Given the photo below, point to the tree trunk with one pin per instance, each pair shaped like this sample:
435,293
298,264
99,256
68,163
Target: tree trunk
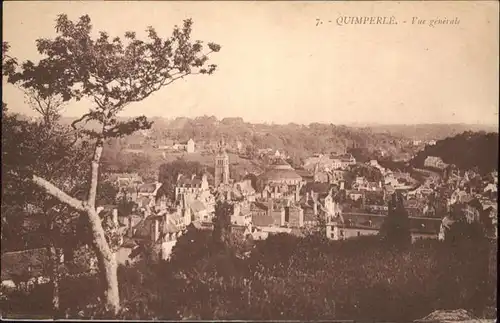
108,269
106,259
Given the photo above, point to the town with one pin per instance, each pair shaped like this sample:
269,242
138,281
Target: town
280,177
293,200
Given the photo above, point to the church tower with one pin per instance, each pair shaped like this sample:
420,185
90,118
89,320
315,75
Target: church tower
221,166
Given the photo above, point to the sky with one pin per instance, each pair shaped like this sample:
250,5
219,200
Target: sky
278,65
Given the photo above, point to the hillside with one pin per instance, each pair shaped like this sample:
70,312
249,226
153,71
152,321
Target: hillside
431,131
296,140
466,150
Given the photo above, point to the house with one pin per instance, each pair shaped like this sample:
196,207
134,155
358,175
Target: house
156,233
337,176
354,195
361,224
190,147
123,180
319,204
355,225
377,209
166,145
191,184
374,163
490,188
424,228
306,175
244,190
26,268
343,161
414,207
148,190
435,162
242,214
268,214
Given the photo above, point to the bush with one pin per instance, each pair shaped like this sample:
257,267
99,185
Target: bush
305,278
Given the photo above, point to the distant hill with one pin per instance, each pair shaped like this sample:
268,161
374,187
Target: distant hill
429,131
300,140
466,150
295,139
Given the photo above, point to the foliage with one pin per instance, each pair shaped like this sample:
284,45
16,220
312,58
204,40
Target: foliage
31,147
396,228
461,231
112,73
371,173
222,223
299,141
308,278
466,151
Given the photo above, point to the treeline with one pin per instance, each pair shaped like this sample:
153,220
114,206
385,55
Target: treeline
432,131
467,150
296,139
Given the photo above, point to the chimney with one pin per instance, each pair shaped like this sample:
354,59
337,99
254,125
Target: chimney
315,207
179,176
301,217
193,176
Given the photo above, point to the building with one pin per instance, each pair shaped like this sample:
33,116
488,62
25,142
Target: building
352,225
435,162
242,214
155,234
123,180
281,182
346,160
191,186
190,147
221,168
148,190
268,214
24,269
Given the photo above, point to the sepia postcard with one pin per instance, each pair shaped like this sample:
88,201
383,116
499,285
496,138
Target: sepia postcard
250,160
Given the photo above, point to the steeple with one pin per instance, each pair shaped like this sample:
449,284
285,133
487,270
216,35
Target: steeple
221,165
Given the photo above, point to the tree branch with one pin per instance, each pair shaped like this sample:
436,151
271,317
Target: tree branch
58,194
